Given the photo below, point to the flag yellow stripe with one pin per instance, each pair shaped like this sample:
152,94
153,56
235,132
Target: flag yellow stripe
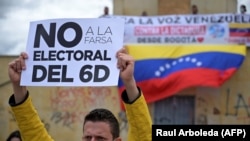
174,51
239,25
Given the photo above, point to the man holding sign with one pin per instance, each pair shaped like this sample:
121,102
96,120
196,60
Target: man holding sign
73,52
78,52
100,124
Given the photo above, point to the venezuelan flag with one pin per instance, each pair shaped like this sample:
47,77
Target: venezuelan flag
239,30
163,70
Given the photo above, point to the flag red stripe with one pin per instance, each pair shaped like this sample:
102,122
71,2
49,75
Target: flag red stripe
156,89
240,34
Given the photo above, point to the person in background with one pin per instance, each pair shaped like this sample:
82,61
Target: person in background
105,12
14,136
243,9
144,13
195,9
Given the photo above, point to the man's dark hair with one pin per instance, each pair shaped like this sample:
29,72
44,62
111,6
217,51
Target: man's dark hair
104,115
106,10
14,134
194,9
244,7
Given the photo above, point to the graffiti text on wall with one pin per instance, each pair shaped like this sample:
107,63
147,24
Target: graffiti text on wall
241,104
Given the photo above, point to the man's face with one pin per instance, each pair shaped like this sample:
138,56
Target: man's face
97,131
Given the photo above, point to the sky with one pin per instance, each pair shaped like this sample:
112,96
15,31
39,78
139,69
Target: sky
15,16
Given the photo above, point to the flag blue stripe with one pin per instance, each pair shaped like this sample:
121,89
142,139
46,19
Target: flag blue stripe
147,69
241,30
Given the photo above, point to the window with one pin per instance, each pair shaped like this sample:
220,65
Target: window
175,110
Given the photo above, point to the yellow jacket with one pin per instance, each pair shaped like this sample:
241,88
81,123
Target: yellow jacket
32,129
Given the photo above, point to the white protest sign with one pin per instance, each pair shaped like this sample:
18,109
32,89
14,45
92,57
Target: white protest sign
73,52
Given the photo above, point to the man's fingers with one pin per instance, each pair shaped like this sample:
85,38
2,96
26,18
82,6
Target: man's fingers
119,61
23,56
18,65
122,50
12,65
124,60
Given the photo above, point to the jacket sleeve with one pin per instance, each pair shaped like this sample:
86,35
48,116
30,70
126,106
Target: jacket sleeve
139,119
28,121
